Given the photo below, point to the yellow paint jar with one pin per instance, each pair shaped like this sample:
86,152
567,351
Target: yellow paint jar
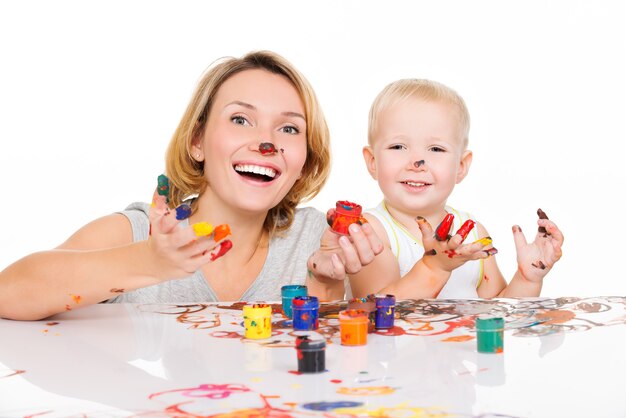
257,320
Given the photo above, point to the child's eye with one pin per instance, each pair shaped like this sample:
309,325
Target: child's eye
397,146
239,120
290,130
437,149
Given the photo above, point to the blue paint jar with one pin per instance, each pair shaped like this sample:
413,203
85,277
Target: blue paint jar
289,292
305,311
385,311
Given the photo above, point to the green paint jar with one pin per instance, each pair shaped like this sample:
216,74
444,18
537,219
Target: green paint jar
490,333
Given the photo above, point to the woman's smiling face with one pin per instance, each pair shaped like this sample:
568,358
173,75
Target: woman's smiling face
251,108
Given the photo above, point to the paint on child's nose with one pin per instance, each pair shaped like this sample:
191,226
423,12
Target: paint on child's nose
419,163
267,148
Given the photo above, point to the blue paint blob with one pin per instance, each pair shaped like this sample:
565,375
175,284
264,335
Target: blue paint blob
183,212
329,406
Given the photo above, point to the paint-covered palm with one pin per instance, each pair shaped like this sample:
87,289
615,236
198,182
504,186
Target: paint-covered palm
445,252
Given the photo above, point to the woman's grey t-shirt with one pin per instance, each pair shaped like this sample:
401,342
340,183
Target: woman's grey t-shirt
286,262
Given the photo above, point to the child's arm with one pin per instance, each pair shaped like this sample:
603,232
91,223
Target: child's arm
98,262
339,255
534,261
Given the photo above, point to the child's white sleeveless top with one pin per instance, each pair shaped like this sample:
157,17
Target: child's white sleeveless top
408,250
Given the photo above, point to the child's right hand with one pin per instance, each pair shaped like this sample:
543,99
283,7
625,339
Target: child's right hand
448,254
179,252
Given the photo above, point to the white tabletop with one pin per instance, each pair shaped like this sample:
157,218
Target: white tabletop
562,357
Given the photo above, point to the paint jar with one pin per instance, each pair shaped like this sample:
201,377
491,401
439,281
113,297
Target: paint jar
311,351
385,311
490,333
289,292
368,305
305,310
346,213
353,327
257,320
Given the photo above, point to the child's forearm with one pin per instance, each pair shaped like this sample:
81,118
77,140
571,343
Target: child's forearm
519,286
421,281
49,282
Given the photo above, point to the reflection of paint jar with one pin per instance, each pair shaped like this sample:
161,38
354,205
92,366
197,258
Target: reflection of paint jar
490,370
257,320
346,213
289,292
385,310
369,306
311,351
305,311
490,333
353,325
351,360
257,358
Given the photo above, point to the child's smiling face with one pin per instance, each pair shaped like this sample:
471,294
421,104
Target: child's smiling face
418,155
251,108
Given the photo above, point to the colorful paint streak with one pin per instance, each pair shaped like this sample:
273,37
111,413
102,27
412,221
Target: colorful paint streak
418,164
442,233
465,229
163,187
202,229
222,249
541,229
220,232
183,212
266,148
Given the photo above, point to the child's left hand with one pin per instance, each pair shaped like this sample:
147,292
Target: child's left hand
536,259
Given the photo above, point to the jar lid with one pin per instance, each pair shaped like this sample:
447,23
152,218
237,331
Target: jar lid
346,208
385,300
294,288
258,309
354,315
488,322
307,340
305,302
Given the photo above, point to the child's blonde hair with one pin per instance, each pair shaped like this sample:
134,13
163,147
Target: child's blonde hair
187,175
427,90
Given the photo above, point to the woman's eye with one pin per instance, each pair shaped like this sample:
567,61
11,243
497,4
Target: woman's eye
239,120
290,130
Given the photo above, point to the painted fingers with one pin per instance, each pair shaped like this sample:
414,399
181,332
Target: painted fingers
362,247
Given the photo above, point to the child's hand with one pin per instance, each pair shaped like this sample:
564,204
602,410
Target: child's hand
449,253
339,255
535,260
179,252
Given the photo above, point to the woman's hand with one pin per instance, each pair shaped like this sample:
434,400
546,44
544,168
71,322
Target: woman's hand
179,252
340,254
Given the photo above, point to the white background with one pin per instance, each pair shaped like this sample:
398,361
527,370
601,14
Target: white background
90,93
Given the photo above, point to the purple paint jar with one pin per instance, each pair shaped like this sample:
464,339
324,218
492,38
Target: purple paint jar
305,311
385,311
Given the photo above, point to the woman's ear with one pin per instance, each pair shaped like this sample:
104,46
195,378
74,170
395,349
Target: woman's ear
196,150
464,165
370,161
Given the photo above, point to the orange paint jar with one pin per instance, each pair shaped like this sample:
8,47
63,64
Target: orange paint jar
353,326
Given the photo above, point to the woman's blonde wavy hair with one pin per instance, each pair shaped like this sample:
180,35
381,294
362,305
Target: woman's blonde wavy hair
187,175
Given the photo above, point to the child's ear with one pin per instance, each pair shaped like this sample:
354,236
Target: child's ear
370,161
464,165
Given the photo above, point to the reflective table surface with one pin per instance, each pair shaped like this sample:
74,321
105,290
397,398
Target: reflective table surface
562,357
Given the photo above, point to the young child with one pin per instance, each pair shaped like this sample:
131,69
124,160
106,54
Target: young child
251,146
417,152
